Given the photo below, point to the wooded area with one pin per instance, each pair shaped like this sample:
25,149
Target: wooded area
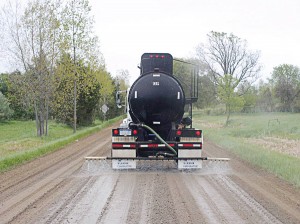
60,72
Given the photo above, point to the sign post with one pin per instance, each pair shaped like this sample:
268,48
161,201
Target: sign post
104,109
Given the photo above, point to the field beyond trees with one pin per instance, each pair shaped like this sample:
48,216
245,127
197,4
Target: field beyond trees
268,140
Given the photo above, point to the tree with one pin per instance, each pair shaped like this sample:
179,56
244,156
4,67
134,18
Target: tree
287,85
63,89
32,43
107,90
94,87
249,95
4,83
5,111
79,41
230,64
20,102
207,92
266,99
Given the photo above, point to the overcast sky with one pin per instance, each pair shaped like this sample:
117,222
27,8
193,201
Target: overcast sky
128,28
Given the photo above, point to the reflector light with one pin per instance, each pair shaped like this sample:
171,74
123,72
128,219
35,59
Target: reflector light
151,56
178,132
162,56
116,132
123,146
188,145
117,145
135,132
198,133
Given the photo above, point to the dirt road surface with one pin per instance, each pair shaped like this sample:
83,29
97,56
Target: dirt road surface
62,188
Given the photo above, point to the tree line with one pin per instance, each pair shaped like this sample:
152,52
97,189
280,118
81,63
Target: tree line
59,70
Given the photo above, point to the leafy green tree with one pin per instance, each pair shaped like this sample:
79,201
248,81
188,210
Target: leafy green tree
249,95
227,95
5,111
79,41
229,63
63,90
18,101
266,98
94,87
4,84
207,92
287,85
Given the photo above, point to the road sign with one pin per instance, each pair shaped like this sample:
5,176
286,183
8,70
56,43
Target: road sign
104,108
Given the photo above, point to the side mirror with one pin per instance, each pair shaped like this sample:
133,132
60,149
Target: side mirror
121,98
118,99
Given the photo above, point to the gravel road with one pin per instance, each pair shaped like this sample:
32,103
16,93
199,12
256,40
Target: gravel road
63,188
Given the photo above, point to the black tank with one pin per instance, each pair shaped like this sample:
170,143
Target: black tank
156,99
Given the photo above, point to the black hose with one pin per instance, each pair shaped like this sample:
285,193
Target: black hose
157,135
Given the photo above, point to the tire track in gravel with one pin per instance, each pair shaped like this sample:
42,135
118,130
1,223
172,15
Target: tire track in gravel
246,207
278,197
141,199
162,205
117,206
202,195
185,204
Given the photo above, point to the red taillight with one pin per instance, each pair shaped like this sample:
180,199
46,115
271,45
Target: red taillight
135,132
156,56
116,132
178,132
198,133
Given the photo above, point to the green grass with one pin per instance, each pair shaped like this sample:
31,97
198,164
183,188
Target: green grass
244,134
18,141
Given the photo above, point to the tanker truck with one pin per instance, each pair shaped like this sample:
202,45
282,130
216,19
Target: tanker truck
157,126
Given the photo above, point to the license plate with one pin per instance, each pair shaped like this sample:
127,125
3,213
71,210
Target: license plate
125,132
189,164
121,164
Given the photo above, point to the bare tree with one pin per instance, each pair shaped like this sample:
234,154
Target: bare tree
230,63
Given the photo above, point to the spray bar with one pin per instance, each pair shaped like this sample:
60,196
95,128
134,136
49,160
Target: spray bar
157,158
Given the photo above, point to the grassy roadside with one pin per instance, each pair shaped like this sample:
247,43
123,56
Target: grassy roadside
252,138
19,144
